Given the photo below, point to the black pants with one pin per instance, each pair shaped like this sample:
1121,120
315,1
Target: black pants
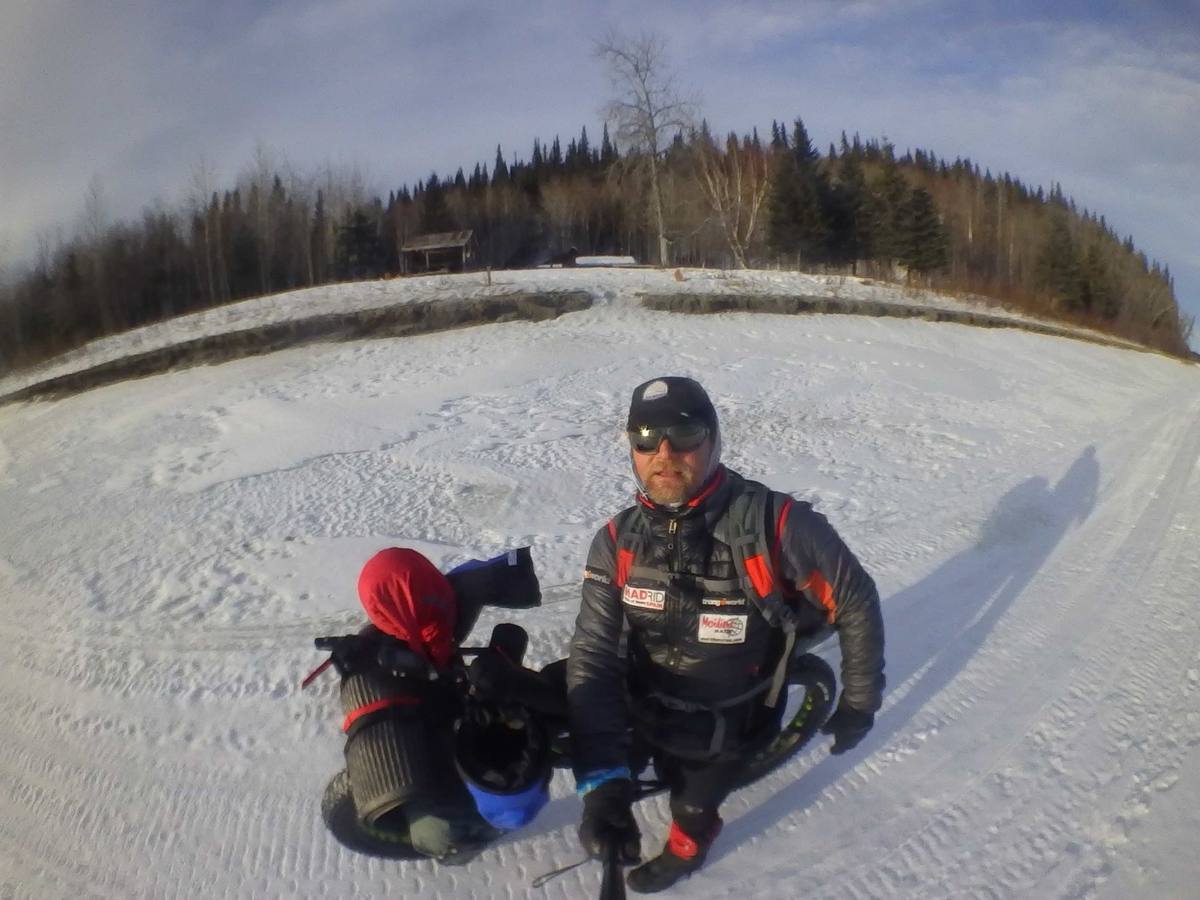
698,787
697,790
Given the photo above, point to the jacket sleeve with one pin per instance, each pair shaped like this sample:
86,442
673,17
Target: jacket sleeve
818,563
595,672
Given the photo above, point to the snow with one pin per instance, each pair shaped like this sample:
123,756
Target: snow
605,261
605,285
1028,506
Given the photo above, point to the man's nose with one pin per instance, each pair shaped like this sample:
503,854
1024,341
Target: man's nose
665,450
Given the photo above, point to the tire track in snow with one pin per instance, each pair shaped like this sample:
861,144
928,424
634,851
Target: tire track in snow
996,668
164,811
1062,796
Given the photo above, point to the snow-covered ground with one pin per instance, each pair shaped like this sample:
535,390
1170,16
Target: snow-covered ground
604,284
1029,506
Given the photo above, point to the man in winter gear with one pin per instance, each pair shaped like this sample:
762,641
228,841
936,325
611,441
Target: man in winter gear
710,577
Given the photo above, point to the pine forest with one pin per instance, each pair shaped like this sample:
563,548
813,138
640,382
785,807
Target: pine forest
730,202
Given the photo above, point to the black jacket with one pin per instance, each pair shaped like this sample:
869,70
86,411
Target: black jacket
676,644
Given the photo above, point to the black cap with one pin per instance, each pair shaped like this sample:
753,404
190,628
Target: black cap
670,400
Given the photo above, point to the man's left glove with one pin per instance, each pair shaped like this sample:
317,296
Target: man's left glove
848,726
608,821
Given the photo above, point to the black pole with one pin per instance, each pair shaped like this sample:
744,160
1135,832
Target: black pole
613,885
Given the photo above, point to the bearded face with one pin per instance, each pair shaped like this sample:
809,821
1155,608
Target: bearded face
671,477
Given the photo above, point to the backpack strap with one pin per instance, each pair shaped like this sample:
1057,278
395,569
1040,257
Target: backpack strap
753,531
626,529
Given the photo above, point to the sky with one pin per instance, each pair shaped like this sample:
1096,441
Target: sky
130,99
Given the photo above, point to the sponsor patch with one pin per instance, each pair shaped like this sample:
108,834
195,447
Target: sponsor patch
718,628
644,598
593,575
723,601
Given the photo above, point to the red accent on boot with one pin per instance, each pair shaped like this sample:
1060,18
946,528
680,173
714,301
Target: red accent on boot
686,847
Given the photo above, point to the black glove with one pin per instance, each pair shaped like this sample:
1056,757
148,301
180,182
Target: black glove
608,820
848,726
490,675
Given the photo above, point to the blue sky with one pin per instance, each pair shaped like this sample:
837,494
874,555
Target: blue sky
1103,97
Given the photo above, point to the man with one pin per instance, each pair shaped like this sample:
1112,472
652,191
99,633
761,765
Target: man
709,577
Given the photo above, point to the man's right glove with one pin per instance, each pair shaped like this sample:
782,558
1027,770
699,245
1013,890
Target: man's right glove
608,821
848,726
490,675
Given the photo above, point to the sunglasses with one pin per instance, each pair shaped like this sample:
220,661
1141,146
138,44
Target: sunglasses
682,438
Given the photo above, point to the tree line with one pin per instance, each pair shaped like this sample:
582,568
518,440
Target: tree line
736,201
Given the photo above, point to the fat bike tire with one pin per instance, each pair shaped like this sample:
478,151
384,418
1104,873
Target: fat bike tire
816,678
343,822
813,676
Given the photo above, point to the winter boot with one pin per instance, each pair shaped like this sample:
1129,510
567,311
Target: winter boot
681,857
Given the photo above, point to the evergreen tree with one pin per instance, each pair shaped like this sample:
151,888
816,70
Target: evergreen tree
500,169
435,215
1058,266
583,149
796,219
925,247
608,150
890,196
359,252
853,227
1097,293
779,139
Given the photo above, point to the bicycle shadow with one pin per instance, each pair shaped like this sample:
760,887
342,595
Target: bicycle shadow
935,627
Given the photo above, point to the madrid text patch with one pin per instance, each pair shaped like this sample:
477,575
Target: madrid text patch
645,598
718,628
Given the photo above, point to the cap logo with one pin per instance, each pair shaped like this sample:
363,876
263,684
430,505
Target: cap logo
655,390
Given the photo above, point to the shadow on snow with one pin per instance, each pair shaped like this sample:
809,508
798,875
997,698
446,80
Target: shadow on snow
935,627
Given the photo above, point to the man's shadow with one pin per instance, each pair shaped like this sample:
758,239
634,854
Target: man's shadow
934,628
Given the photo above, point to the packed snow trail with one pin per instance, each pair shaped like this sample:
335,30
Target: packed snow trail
1028,506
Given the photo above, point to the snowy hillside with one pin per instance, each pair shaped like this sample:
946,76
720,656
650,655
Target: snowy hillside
604,285
1027,505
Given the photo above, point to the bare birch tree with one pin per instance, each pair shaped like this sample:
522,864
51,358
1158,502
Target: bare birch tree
201,186
646,109
94,229
734,184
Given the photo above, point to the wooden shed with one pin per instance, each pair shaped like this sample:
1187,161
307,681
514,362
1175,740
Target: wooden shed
450,251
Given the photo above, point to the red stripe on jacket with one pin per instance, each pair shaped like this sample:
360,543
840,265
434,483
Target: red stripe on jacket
823,591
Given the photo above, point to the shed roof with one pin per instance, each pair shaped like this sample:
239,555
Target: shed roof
438,241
